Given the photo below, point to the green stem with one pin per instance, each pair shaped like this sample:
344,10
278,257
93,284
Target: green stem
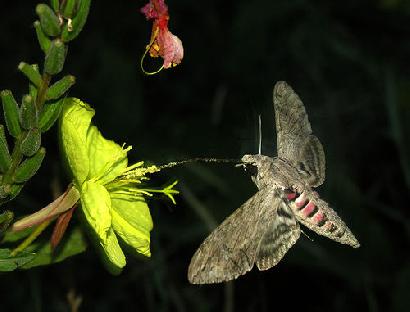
30,238
16,158
41,95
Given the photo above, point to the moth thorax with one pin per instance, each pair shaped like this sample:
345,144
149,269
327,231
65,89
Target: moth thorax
260,168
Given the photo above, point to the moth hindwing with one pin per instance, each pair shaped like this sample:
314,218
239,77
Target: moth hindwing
263,229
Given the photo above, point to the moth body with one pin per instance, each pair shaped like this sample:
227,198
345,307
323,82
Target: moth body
308,208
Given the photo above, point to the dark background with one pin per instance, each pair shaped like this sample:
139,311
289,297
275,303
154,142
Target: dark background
348,61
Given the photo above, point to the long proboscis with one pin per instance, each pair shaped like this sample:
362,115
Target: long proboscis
198,159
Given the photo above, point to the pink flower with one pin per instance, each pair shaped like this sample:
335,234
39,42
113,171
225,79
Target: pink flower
163,43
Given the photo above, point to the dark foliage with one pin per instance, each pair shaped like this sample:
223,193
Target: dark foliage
348,61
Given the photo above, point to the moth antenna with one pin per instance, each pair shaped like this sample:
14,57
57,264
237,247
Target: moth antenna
260,135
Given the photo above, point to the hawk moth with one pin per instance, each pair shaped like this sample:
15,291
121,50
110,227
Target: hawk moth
263,229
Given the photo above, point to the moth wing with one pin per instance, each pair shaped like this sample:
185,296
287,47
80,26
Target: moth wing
295,141
231,249
281,234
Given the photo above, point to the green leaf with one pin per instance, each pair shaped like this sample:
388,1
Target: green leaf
75,121
55,4
50,114
29,167
77,23
70,8
96,205
57,89
11,113
42,38
14,237
48,19
55,57
131,220
31,142
5,220
28,113
73,243
9,263
8,192
31,72
5,158
32,91
107,158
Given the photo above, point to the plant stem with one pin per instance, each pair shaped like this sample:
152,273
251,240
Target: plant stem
41,95
16,158
23,245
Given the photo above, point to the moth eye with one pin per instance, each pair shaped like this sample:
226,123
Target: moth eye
251,169
304,169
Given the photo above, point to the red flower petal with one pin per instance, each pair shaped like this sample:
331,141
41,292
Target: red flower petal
171,48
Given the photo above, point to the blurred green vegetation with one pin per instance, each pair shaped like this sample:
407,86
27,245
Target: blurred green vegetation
348,61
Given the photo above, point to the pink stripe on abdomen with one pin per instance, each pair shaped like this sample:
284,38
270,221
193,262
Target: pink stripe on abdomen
309,208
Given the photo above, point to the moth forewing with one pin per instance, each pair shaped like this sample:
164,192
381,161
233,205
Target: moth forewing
295,141
231,249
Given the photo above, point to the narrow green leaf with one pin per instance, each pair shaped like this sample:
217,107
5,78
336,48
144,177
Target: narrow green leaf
31,73
11,237
35,66
5,159
55,57
9,263
28,113
11,113
48,19
69,8
60,87
4,191
8,192
72,244
42,38
50,114
77,22
29,167
55,4
31,143
5,220
32,90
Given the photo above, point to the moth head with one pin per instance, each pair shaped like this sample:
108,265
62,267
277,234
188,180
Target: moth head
249,164
257,160
255,165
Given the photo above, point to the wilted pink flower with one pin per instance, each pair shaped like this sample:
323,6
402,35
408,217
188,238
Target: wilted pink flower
163,43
